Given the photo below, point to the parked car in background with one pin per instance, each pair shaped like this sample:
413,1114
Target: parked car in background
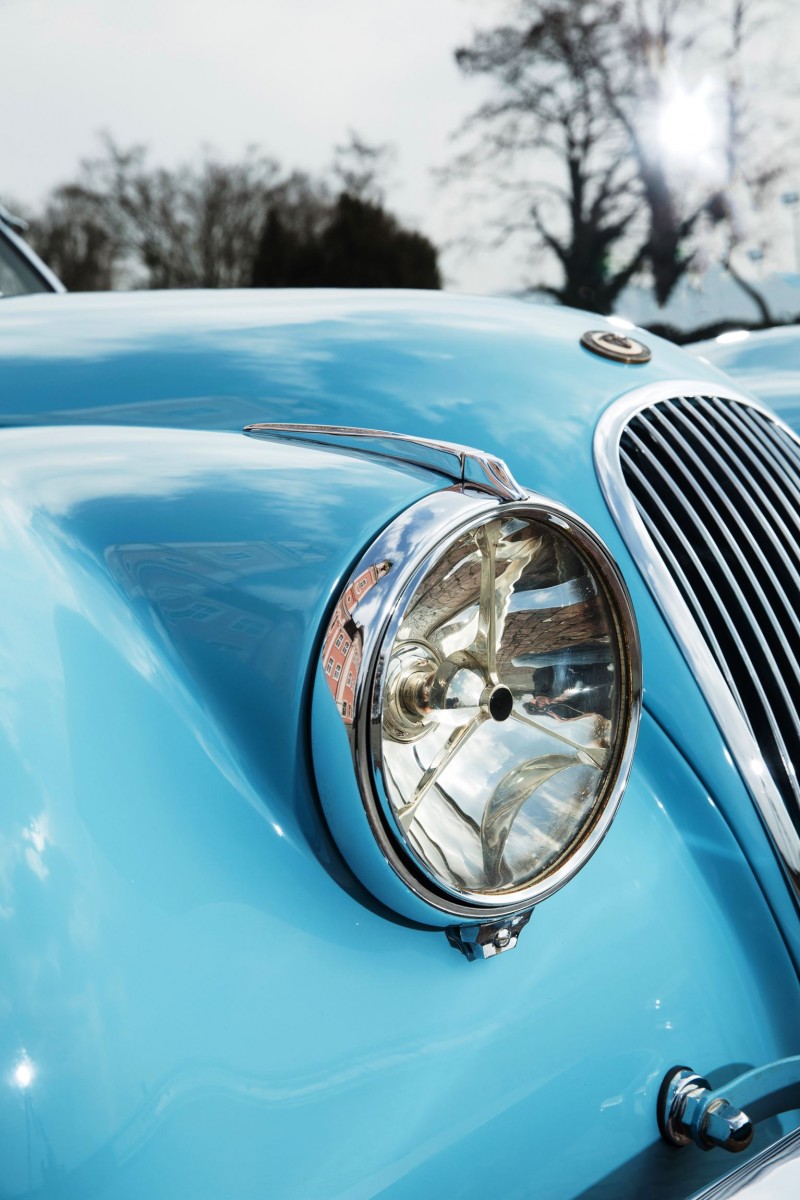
21,270
766,362
337,628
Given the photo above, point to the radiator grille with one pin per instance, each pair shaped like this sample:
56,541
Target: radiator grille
717,484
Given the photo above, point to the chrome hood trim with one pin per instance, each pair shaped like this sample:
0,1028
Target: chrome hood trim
462,464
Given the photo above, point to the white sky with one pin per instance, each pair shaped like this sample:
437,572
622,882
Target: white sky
289,75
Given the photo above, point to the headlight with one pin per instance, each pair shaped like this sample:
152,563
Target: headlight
484,665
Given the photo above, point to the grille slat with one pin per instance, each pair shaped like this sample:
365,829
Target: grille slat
745,565
717,484
787,463
768,467
676,568
739,499
744,471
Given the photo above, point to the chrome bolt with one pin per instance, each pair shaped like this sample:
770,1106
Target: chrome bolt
414,692
689,1111
727,1127
487,941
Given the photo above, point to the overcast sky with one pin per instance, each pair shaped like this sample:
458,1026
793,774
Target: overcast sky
291,76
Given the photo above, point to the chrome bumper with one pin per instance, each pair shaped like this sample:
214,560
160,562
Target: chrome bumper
774,1174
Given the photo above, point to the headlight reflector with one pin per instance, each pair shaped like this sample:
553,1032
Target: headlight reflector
494,706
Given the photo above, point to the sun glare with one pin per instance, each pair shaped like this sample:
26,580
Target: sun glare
24,1073
687,131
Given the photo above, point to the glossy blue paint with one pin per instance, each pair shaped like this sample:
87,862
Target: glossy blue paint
766,363
201,998
423,363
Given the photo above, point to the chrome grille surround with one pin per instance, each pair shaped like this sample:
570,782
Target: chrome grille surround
662,425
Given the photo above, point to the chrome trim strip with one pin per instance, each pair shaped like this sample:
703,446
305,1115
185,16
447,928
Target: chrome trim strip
732,723
471,468
772,1173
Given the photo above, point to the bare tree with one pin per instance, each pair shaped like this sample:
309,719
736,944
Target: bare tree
125,223
192,226
548,139
360,168
214,224
76,240
573,131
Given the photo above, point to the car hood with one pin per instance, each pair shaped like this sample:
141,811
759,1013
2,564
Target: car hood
166,595
420,362
507,377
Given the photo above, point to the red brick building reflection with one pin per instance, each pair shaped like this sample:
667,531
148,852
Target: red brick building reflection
341,653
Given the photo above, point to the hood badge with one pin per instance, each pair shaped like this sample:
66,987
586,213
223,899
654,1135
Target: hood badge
617,346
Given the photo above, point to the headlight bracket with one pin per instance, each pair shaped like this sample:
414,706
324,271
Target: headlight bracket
485,941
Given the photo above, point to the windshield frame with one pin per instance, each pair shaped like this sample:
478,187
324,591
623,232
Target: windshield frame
13,247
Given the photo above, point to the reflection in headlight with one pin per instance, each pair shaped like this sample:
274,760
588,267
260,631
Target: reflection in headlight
501,704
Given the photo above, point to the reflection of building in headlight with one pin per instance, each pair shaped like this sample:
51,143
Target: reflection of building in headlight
341,651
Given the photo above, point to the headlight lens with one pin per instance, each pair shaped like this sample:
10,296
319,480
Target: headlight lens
498,706
501,708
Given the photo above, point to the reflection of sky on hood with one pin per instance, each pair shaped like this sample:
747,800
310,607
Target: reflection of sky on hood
58,470
508,377
778,349
68,496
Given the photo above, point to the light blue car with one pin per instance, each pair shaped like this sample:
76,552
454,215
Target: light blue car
766,362
21,269
337,629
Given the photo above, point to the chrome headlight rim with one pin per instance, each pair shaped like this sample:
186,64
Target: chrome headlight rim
432,526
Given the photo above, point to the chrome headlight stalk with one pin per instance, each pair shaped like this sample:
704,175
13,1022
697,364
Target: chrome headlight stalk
475,711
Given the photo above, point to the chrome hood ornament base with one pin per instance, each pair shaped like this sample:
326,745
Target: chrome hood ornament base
471,468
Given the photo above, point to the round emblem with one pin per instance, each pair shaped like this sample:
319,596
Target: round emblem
618,346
